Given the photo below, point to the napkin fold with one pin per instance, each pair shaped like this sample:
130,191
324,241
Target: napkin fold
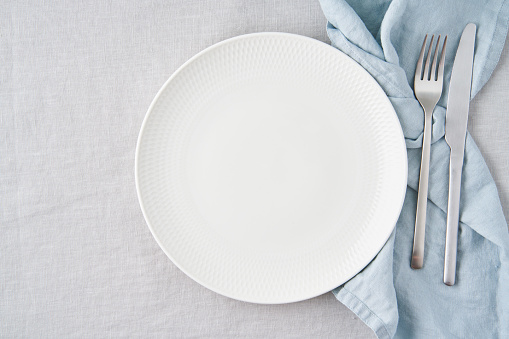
385,37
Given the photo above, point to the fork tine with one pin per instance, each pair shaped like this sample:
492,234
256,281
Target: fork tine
418,68
428,57
440,76
433,75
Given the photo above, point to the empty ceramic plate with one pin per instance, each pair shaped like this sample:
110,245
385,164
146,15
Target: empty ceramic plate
271,168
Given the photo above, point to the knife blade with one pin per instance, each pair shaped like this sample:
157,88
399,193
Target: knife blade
455,133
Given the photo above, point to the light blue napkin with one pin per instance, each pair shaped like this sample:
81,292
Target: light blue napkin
385,37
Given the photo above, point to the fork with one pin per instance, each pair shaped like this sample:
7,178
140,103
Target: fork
428,90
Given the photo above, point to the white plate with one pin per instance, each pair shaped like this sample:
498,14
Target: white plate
271,168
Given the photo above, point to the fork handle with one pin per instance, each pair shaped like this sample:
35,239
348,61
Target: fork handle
422,196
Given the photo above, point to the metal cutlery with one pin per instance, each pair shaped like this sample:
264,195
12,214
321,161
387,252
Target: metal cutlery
455,132
428,85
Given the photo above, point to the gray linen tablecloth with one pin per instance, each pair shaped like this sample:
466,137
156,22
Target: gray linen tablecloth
76,258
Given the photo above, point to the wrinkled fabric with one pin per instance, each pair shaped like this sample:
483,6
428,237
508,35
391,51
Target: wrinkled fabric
385,37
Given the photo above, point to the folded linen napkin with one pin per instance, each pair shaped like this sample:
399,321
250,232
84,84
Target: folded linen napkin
385,37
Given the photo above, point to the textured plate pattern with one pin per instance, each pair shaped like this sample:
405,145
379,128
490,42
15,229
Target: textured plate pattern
176,158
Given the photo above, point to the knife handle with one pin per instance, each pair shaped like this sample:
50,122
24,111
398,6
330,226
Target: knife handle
453,211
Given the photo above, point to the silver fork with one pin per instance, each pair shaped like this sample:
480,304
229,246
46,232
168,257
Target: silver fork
428,90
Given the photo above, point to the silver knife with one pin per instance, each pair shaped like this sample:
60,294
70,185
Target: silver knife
455,133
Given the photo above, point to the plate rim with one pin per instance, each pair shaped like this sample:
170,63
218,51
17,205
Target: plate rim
163,88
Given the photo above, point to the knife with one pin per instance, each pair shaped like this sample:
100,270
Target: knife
455,133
